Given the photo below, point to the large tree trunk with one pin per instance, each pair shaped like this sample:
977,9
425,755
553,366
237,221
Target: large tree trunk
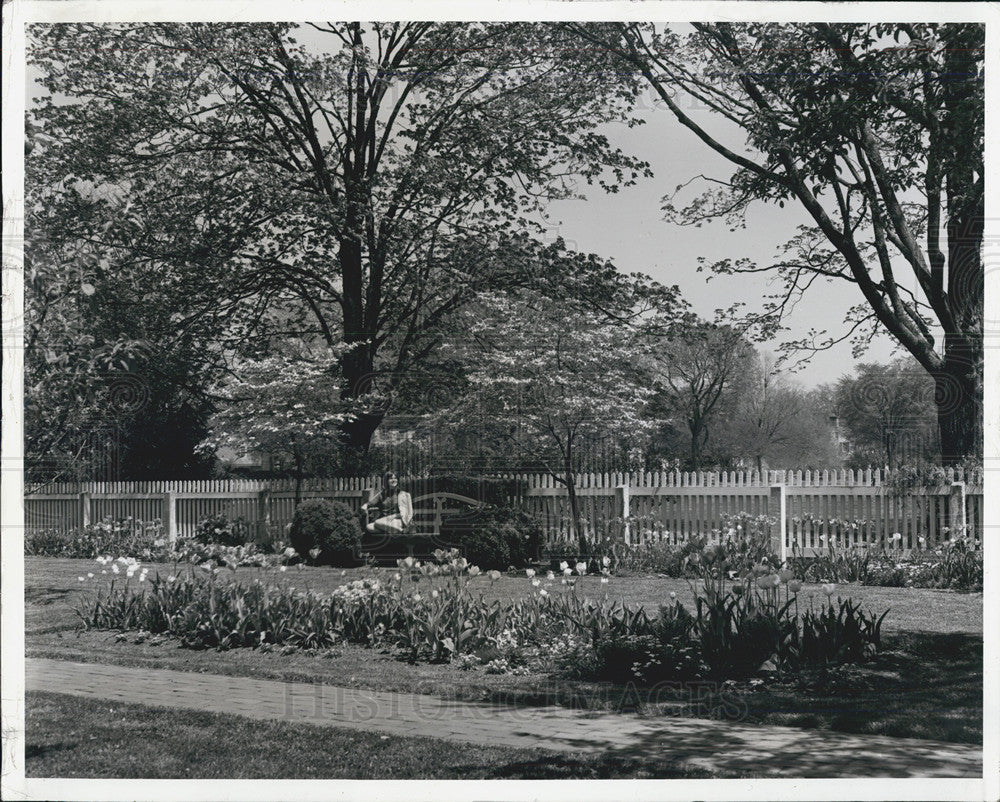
958,393
959,385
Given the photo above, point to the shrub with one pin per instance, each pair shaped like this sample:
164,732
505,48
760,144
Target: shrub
333,528
223,531
495,537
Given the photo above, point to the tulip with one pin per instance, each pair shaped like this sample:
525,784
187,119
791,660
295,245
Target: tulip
785,576
581,568
473,570
530,572
795,586
494,575
563,565
828,588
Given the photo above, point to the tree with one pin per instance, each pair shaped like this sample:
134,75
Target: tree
375,175
281,404
876,131
701,369
889,414
778,424
95,410
551,382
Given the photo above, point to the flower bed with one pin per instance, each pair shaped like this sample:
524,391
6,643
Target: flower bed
956,563
428,612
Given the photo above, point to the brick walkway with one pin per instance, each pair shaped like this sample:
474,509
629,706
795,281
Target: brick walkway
726,747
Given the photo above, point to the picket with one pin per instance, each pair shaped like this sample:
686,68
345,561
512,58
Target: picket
822,507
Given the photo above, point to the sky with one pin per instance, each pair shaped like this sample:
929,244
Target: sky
628,228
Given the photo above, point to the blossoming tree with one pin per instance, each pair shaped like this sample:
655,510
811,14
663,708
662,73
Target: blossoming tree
552,382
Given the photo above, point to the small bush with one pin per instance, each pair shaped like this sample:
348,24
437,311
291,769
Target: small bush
333,528
223,531
495,537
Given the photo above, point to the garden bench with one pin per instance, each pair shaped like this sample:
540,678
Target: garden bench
423,535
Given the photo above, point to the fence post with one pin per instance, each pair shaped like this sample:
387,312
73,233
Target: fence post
956,509
263,515
85,509
622,505
170,517
776,508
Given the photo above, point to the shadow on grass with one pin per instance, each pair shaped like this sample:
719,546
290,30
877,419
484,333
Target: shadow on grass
44,596
922,685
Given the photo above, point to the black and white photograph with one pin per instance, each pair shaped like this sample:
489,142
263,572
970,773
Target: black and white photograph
516,392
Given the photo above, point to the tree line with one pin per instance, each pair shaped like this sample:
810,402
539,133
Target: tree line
285,235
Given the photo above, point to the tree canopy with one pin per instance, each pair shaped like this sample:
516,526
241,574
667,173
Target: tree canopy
876,132
552,384
368,179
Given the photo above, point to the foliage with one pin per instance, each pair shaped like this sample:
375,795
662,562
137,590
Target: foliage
834,636
350,182
223,530
777,423
332,528
107,536
494,536
701,371
657,650
428,611
956,564
889,414
876,132
107,378
281,404
549,385
656,556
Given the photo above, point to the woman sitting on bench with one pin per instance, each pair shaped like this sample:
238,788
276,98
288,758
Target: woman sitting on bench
396,507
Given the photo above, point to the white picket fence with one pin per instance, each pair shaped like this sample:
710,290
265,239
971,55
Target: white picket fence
810,509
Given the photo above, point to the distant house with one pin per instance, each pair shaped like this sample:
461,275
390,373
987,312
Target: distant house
249,462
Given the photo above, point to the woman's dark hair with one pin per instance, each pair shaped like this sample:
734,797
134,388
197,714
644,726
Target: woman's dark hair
386,492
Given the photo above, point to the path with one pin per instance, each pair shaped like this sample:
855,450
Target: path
725,747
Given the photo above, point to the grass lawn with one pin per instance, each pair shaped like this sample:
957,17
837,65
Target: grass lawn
52,588
71,736
927,683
